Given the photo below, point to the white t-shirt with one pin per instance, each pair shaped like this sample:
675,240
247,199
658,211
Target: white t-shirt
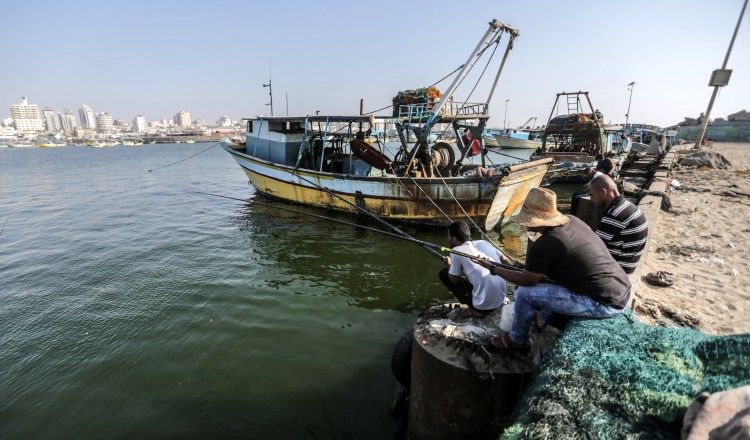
489,290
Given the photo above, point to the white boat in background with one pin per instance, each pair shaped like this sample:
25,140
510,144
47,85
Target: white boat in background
519,138
22,144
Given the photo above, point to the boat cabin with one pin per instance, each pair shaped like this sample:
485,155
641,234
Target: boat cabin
319,143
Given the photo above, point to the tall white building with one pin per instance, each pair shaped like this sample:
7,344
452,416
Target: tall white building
104,123
52,120
68,121
182,119
26,116
139,124
224,121
88,120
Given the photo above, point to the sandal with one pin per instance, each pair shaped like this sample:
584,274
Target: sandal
660,278
504,342
538,324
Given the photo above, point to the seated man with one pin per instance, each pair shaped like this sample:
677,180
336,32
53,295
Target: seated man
589,282
482,292
623,227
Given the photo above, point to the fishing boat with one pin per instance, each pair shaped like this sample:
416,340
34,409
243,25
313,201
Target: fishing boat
523,137
324,161
50,142
574,139
21,143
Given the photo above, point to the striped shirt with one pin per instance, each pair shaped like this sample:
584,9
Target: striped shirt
624,230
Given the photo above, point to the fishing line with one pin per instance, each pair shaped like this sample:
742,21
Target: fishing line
425,244
183,160
508,155
6,221
359,208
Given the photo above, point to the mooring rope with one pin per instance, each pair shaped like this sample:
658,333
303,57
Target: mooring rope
183,160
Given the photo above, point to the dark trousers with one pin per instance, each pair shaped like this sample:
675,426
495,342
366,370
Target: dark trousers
575,199
462,290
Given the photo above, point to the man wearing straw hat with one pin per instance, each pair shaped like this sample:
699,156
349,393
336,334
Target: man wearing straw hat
588,281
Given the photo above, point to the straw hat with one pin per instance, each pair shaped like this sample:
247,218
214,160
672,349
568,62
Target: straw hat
540,209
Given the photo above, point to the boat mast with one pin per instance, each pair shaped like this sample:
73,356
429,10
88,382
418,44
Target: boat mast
495,27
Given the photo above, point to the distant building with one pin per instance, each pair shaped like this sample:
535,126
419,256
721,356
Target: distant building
88,120
104,123
68,121
52,121
199,122
26,116
139,124
741,115
182,119
224,121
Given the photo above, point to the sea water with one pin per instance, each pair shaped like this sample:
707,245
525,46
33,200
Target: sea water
134,307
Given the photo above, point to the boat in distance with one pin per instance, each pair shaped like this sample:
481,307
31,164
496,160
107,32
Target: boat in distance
324,160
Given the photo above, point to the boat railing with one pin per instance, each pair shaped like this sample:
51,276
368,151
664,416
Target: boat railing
422,111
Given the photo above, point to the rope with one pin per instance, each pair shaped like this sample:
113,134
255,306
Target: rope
183,160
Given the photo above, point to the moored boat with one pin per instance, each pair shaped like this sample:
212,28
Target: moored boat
518,138
50,142
21,144
324,161
575,139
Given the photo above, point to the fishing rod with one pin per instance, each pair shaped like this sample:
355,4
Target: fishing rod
424,244
6,221
362,210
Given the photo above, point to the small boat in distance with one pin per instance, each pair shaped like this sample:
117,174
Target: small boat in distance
21,143
523,137
50,142
324,161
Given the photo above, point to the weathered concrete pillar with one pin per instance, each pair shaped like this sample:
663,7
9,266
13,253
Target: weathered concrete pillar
461,387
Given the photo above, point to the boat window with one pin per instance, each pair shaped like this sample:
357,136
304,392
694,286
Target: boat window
249,126
286,126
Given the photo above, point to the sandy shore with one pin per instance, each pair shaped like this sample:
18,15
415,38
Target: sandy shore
703,242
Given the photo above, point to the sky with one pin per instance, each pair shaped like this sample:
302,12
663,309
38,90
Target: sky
212,58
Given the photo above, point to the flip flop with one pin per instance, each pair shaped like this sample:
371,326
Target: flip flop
538,324
504,342
660,278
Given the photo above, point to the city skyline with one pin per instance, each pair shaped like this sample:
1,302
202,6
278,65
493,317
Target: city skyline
325,57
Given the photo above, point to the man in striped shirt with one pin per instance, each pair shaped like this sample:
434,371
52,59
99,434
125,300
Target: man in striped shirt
623,227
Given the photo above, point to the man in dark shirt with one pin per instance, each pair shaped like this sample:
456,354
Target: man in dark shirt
623,227
588,281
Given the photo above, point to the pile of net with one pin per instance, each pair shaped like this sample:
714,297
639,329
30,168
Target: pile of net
418,96
619,378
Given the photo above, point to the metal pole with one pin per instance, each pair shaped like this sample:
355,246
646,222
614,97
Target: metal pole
270,93
627,115
716,88
506,113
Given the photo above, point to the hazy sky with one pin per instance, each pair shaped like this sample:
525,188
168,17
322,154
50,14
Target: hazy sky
211,58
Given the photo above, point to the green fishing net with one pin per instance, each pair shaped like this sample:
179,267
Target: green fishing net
618,378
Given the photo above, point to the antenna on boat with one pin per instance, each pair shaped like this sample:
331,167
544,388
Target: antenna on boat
270,89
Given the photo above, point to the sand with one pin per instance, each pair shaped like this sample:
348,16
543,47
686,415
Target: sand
703,242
